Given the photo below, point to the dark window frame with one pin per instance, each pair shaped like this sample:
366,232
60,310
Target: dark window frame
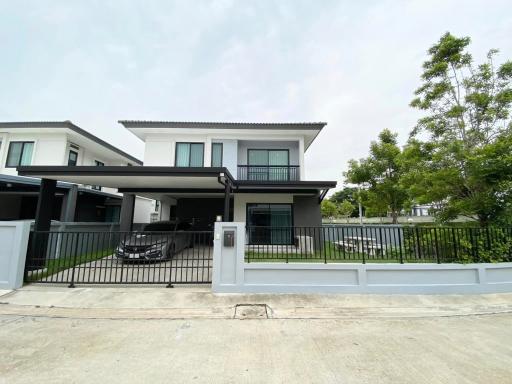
21,153
69,155
221,154
189,153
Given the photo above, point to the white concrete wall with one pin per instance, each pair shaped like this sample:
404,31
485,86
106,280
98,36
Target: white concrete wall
229,155
142,210
49,149
242,199
232,274
160,148
13,250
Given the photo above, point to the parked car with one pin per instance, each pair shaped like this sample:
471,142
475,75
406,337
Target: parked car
160,240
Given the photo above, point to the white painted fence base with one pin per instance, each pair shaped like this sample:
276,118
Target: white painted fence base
13,250
232,274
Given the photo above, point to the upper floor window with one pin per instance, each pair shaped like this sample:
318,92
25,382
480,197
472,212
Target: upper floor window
216,154
72,158
20,153
189,155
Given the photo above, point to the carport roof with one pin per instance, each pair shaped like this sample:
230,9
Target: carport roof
14,184
167,179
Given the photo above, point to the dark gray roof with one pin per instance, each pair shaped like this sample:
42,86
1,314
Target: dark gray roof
68,124
220,125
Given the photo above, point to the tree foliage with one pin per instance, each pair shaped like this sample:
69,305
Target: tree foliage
329,209
349,194
380,175
457,155
332,209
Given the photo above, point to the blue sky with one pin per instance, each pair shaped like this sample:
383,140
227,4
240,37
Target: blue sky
353,64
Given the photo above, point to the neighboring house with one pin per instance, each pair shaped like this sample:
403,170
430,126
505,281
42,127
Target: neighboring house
200,172
65,144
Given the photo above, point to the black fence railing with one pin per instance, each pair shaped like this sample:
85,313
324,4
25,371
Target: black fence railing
378,244
269,172
179,257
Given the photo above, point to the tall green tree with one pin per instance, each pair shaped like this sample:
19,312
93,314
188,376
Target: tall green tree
467,110
380,175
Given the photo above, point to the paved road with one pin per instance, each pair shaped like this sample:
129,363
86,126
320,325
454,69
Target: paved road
52,335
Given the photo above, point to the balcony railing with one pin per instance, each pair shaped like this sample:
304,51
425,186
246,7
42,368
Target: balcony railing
269,172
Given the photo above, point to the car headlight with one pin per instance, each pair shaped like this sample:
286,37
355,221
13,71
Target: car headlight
156,247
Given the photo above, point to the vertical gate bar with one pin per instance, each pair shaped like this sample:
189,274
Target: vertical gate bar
398,230
171,258
72,284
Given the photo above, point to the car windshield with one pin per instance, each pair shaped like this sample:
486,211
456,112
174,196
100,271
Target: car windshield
160,227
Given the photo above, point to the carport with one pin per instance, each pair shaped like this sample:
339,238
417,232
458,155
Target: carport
93,258
153,182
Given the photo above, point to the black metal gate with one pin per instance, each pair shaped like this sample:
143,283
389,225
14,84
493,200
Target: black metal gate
70,257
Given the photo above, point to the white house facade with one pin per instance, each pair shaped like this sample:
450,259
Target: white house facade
203,171
59,143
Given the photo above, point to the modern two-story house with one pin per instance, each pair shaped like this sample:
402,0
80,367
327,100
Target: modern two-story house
60,143
201,172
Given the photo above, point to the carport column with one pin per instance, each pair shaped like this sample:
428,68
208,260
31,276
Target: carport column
69,204
45,205
126,216
42,223
227,191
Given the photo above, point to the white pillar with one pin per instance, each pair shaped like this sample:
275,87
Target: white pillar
13,252
208,152
228,261
301,159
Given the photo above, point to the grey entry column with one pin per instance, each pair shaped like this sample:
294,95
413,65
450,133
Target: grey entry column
69,205
126,216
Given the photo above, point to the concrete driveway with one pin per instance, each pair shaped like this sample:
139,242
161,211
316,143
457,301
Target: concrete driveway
191,265
188,335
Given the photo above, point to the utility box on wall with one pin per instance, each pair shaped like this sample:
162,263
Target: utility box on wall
229,239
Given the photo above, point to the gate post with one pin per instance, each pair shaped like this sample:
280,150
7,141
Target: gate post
14,240
228,257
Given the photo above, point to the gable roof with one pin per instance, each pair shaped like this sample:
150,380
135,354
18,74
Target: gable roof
69,125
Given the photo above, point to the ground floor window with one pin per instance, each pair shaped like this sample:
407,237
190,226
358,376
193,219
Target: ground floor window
270,223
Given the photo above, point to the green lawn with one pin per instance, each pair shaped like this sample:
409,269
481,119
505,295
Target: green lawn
329,254
53,266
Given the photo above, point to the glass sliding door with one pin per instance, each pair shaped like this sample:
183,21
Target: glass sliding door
270,224
268,164
257,159
275,159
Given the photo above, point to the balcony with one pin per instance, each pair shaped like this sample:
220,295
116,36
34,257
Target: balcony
269,172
